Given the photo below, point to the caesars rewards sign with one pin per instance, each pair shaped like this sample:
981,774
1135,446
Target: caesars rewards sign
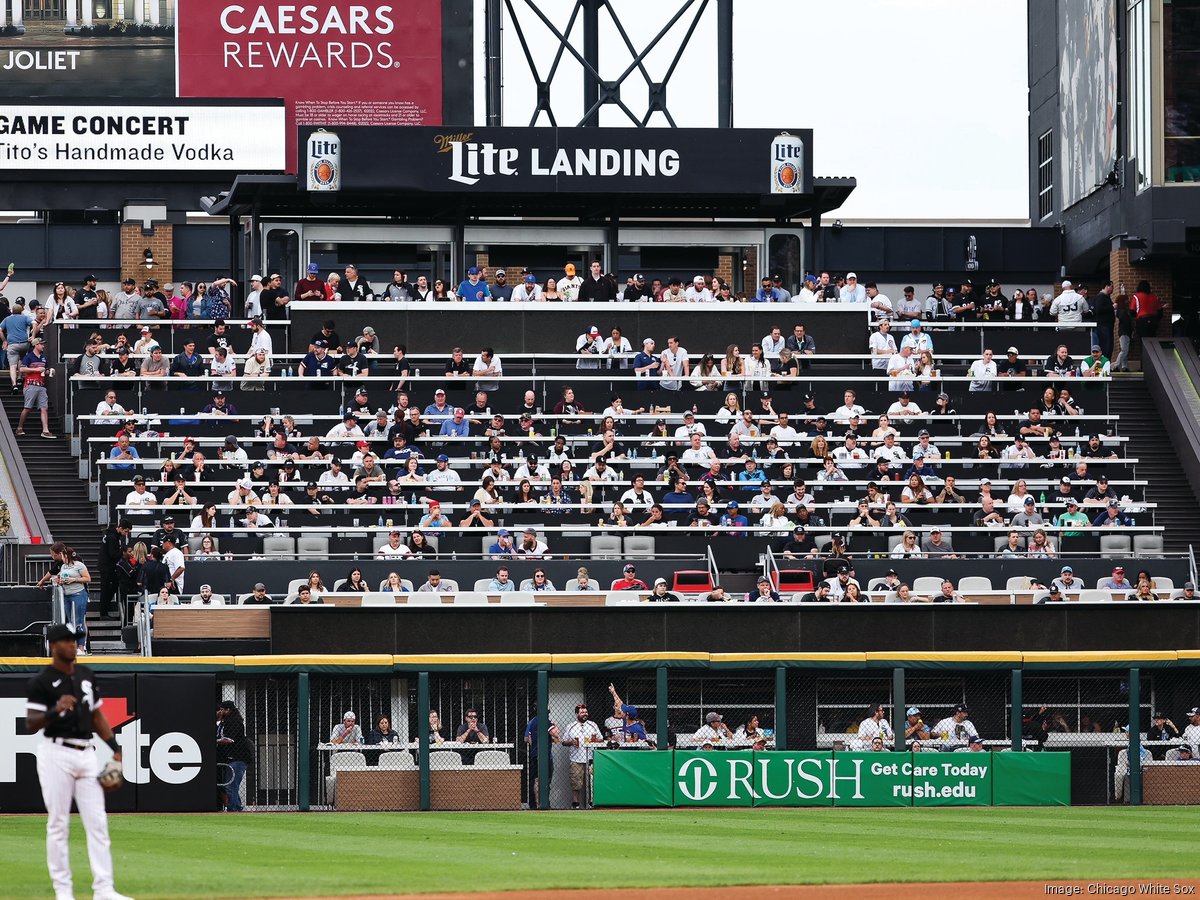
743,161
333,63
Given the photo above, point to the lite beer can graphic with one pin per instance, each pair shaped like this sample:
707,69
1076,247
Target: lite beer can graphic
324,161
787,164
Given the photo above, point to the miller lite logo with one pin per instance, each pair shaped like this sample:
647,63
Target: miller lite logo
324,161
787,164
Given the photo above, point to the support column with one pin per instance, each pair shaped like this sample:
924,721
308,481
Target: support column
155,15
1135,737
423,737
493,84
139,12
724,63
661,725
899,719
1018,720
591,54
303,747
543,739
780,708
18,15
72,18
87,13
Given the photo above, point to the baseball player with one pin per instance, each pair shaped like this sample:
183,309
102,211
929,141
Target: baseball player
63,700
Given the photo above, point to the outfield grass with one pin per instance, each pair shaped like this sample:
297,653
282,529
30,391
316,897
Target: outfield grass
280,855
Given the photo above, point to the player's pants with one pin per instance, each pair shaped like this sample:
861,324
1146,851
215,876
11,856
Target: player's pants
66,773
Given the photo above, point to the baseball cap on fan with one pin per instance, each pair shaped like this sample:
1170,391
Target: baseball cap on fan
313,268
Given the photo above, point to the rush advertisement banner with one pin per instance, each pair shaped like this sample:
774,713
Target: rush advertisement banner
164,725
563,160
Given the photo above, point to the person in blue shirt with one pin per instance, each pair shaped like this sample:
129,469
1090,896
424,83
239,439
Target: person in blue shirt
752,475
678,504
766,293
734,519
458,426
16,329
646,366
123,451
501,583
1111,516
318,363
531,741
474,289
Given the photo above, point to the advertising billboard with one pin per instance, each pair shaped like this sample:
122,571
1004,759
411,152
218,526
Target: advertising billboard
561,160
334,63
181,137
1087,73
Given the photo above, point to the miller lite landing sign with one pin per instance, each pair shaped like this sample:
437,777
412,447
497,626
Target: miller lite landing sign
324,161
575,160
787,164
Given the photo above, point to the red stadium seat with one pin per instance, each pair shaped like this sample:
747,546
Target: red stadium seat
693,581
792,581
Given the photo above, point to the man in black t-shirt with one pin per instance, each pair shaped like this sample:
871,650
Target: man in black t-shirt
64,701
1012,366
274,299
329,335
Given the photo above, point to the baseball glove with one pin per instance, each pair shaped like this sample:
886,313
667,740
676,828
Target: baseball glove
110,777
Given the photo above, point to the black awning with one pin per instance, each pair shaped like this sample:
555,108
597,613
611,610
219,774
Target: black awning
280,195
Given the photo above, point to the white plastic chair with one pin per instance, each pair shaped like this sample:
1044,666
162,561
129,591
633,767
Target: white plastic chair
1092,595
492,759
342,761
1017,584
440,760
969,584
927,584
397,760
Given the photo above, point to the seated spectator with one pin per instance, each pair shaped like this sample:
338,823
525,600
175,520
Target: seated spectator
660,594
1112,517
863,517
503,547
1142,591
764,592
394,548
382,733
501,583
948,594
531,547
629,580
304,597
733,520
472,731
259,596
713,729
800,545
937,544
393,585
347,731
583,581
541,581
435,519
355,584
434,584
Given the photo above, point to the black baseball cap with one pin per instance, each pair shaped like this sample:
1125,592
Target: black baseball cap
61,632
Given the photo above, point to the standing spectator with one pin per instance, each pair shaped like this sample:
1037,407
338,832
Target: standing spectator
597,287
273,299
577,736
73,577
531,742
233,749
1191,734
352,287
473,289
1147,310
1104,315
112,551
570,284
1125,329
17,329
310,288
589,346
34,368
675,366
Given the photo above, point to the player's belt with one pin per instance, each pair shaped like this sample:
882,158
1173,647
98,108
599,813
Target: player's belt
72,743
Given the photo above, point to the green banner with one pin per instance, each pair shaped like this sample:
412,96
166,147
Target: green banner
791,778
871,779
1032,779
632,778
713,778
951,779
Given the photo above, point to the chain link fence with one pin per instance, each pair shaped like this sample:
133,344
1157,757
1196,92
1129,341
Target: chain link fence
362,733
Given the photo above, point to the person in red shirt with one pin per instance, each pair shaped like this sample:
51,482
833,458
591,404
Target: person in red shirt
629,581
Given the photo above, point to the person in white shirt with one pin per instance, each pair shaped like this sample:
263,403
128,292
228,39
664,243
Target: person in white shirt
698,453
261,339
589,346
849,408
891,451
175,561
578,737
257,521
253,306
882,345
1068,307
850,455
112,411
346,430
698,292
852,291
774,342
956,728
637,497
689,427
713,729
616,344
334,475
900,369
442,474
982,372
487,364
395,548
806,294
570,284
784,434
1191,734
881,304
875,725
527,291
904,406
600,471
532,469
675,366
140,496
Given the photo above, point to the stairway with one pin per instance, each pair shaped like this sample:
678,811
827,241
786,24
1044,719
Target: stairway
1129,398
63,496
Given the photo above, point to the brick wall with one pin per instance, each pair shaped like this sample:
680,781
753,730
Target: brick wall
1158,273
134,245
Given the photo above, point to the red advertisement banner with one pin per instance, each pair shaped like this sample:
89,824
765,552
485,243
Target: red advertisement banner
334,62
